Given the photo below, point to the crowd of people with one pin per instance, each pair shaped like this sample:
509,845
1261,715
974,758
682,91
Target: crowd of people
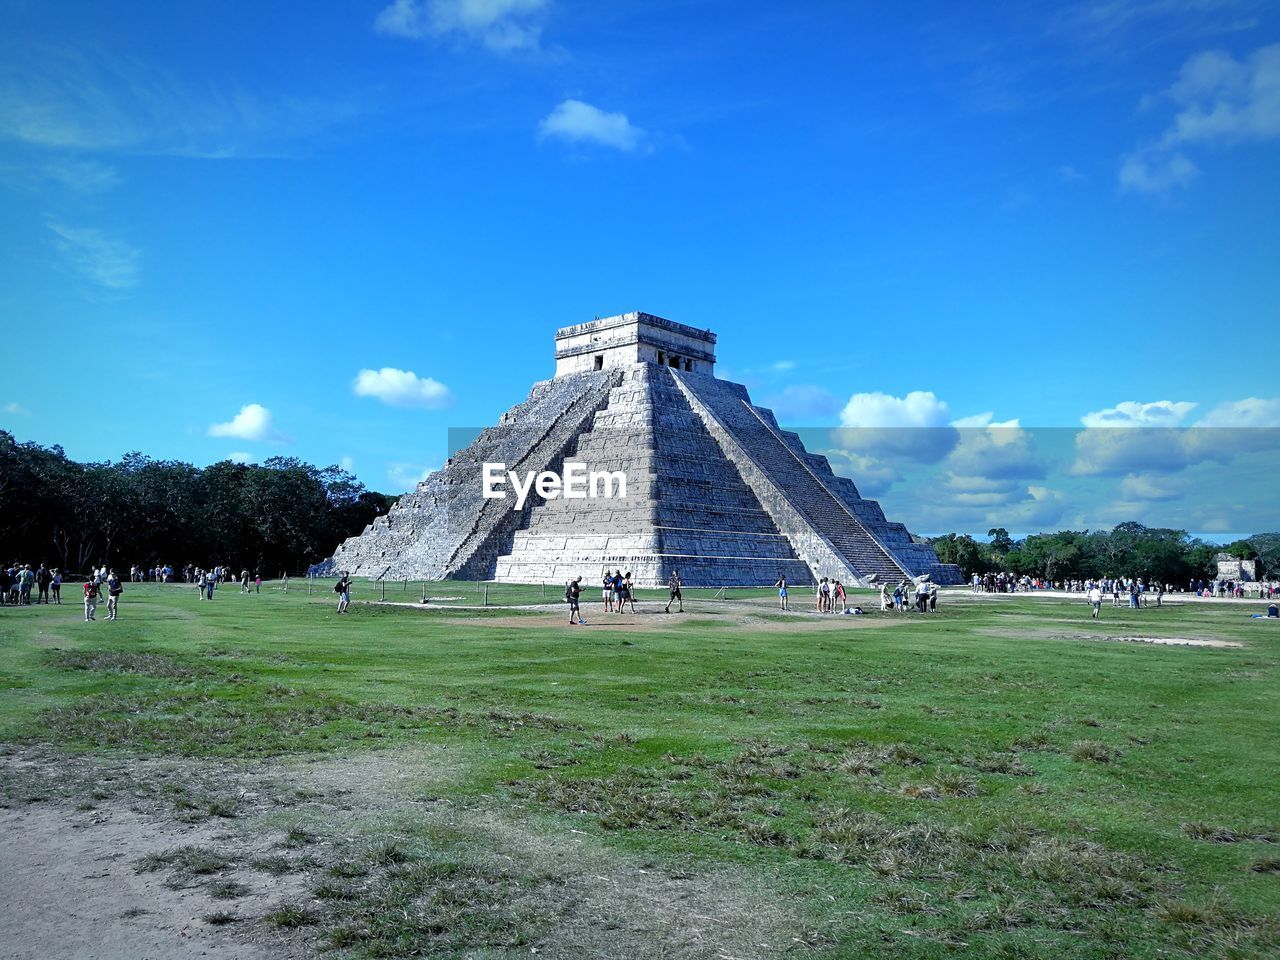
1132,587
21,584
18,581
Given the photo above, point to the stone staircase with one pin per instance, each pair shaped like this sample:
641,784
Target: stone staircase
687,508
793,481
443,525
496,521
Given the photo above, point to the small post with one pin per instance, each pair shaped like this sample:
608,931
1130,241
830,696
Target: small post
384,591
424,591
544,593
308,584
406,585
486,594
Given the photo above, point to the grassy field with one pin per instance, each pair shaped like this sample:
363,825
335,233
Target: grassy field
999,779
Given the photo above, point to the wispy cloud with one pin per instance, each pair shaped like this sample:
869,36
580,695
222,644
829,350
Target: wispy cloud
1218,99
57,97
502,26
240,456
803,403
16,409
406,476
577,122
253,422
401,388
106,261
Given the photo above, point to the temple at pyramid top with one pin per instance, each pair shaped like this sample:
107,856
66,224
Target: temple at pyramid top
716,489
634,338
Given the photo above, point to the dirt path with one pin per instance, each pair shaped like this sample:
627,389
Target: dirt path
70,890
75,883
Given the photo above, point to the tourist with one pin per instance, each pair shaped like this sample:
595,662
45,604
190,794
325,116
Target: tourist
257,582
933,598
781,584
90,599
343,588
628,591
838,597
26,580
572,591
884,597
1095,599
244,581
606,593
824,591
114,589
922,597
43,579
674,585
6,578
615,584
56,586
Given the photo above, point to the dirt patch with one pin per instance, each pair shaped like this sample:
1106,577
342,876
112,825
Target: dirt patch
289,859
1173,641
70,887
1031,633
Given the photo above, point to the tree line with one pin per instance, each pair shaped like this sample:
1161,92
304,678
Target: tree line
1128,549
279,516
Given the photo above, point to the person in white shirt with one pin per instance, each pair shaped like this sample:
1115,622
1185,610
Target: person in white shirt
1095,599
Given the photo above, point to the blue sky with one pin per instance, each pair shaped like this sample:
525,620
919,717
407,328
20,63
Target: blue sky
214,217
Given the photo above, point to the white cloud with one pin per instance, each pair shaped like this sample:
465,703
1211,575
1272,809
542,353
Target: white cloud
1219,99
500,25
406,476
17,409
1250,412
402,388
579,122
348,464
110,263
253,422
919,408
914,427
1133,413
1148,487
1147,445
783,366
1000,450
240,456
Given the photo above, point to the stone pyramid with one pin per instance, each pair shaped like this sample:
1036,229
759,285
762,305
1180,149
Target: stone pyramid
715,488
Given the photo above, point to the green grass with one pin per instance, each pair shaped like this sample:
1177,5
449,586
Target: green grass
983,782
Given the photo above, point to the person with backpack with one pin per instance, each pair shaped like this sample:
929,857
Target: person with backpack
627,594
343,587
90,599
615,582
114,589
572,594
